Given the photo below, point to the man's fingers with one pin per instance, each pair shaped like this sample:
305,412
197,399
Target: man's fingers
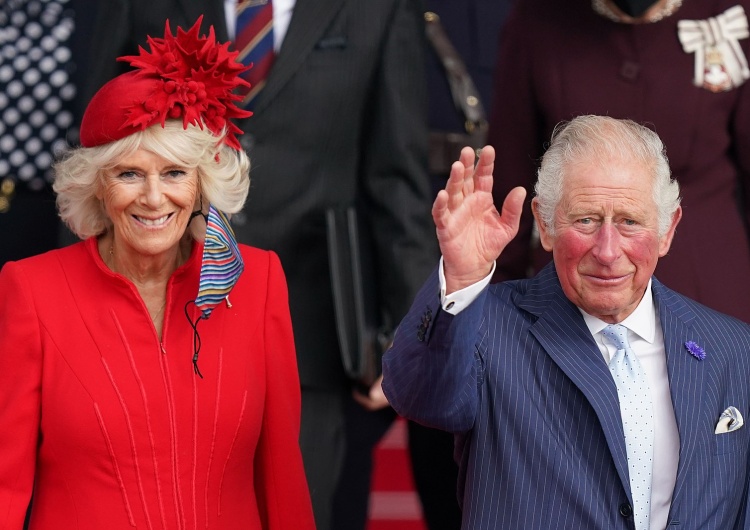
465,177
486,162
512,207
375,398
440,209
455,185
485,166
467,158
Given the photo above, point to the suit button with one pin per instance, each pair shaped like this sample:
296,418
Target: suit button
629,71
626,510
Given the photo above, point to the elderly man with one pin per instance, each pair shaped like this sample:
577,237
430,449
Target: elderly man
591,396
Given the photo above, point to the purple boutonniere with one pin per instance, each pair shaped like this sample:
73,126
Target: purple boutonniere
695,350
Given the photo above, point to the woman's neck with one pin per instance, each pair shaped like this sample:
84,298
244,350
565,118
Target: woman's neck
142,270
659,10
150,275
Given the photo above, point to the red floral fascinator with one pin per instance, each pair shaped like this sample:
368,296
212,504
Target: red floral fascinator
186,76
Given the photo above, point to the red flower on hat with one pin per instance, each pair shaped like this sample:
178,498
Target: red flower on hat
197,79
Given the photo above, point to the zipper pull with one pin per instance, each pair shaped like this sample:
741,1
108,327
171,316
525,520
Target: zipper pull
163,351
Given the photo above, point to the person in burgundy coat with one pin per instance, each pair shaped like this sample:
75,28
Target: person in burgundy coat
679,67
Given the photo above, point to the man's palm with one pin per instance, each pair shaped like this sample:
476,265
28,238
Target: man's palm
471,232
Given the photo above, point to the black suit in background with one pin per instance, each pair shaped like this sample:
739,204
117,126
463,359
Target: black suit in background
341,121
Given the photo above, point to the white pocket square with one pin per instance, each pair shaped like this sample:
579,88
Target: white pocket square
730,420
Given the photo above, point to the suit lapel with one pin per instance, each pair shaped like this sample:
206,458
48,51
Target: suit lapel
563,334
686,379
309,21
565,337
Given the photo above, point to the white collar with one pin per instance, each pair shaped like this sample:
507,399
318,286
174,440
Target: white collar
642,321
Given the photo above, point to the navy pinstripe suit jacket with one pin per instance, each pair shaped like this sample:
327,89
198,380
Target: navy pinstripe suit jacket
519,379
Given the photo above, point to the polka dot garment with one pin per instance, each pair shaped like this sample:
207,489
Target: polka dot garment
637,420
36,90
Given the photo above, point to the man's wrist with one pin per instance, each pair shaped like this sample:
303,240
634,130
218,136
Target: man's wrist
457,300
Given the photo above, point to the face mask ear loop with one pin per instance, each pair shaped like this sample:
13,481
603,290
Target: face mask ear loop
196,338
194,325
198,212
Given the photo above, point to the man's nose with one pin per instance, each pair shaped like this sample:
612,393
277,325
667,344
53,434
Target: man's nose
607,245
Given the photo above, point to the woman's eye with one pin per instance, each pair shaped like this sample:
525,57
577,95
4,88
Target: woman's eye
176,173
127,175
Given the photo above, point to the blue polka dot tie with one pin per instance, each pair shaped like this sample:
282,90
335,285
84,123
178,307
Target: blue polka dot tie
637,420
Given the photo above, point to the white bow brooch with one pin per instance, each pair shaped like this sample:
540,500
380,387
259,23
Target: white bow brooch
720,63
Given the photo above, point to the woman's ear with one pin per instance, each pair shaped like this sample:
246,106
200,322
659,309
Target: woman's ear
99,185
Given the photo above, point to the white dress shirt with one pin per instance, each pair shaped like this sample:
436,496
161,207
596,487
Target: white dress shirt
282,15
647,342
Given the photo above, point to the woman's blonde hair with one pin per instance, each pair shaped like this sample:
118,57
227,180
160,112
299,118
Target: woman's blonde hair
223,174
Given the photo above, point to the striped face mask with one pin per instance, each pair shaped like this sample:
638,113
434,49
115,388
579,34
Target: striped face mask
222,263
221,267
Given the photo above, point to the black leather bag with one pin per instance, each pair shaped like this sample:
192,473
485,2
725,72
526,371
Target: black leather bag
363,338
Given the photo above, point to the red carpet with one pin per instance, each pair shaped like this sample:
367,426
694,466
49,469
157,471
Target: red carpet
394,504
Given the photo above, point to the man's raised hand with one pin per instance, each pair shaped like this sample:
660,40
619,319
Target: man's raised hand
470,231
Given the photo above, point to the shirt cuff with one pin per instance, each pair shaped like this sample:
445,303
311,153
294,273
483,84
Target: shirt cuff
456,302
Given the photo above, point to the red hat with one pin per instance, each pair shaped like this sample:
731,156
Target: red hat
188,76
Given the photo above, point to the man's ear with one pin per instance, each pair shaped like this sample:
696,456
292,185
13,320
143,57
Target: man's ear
666,240
544,236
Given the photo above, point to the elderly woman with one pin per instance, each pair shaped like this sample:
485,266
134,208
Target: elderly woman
134,393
